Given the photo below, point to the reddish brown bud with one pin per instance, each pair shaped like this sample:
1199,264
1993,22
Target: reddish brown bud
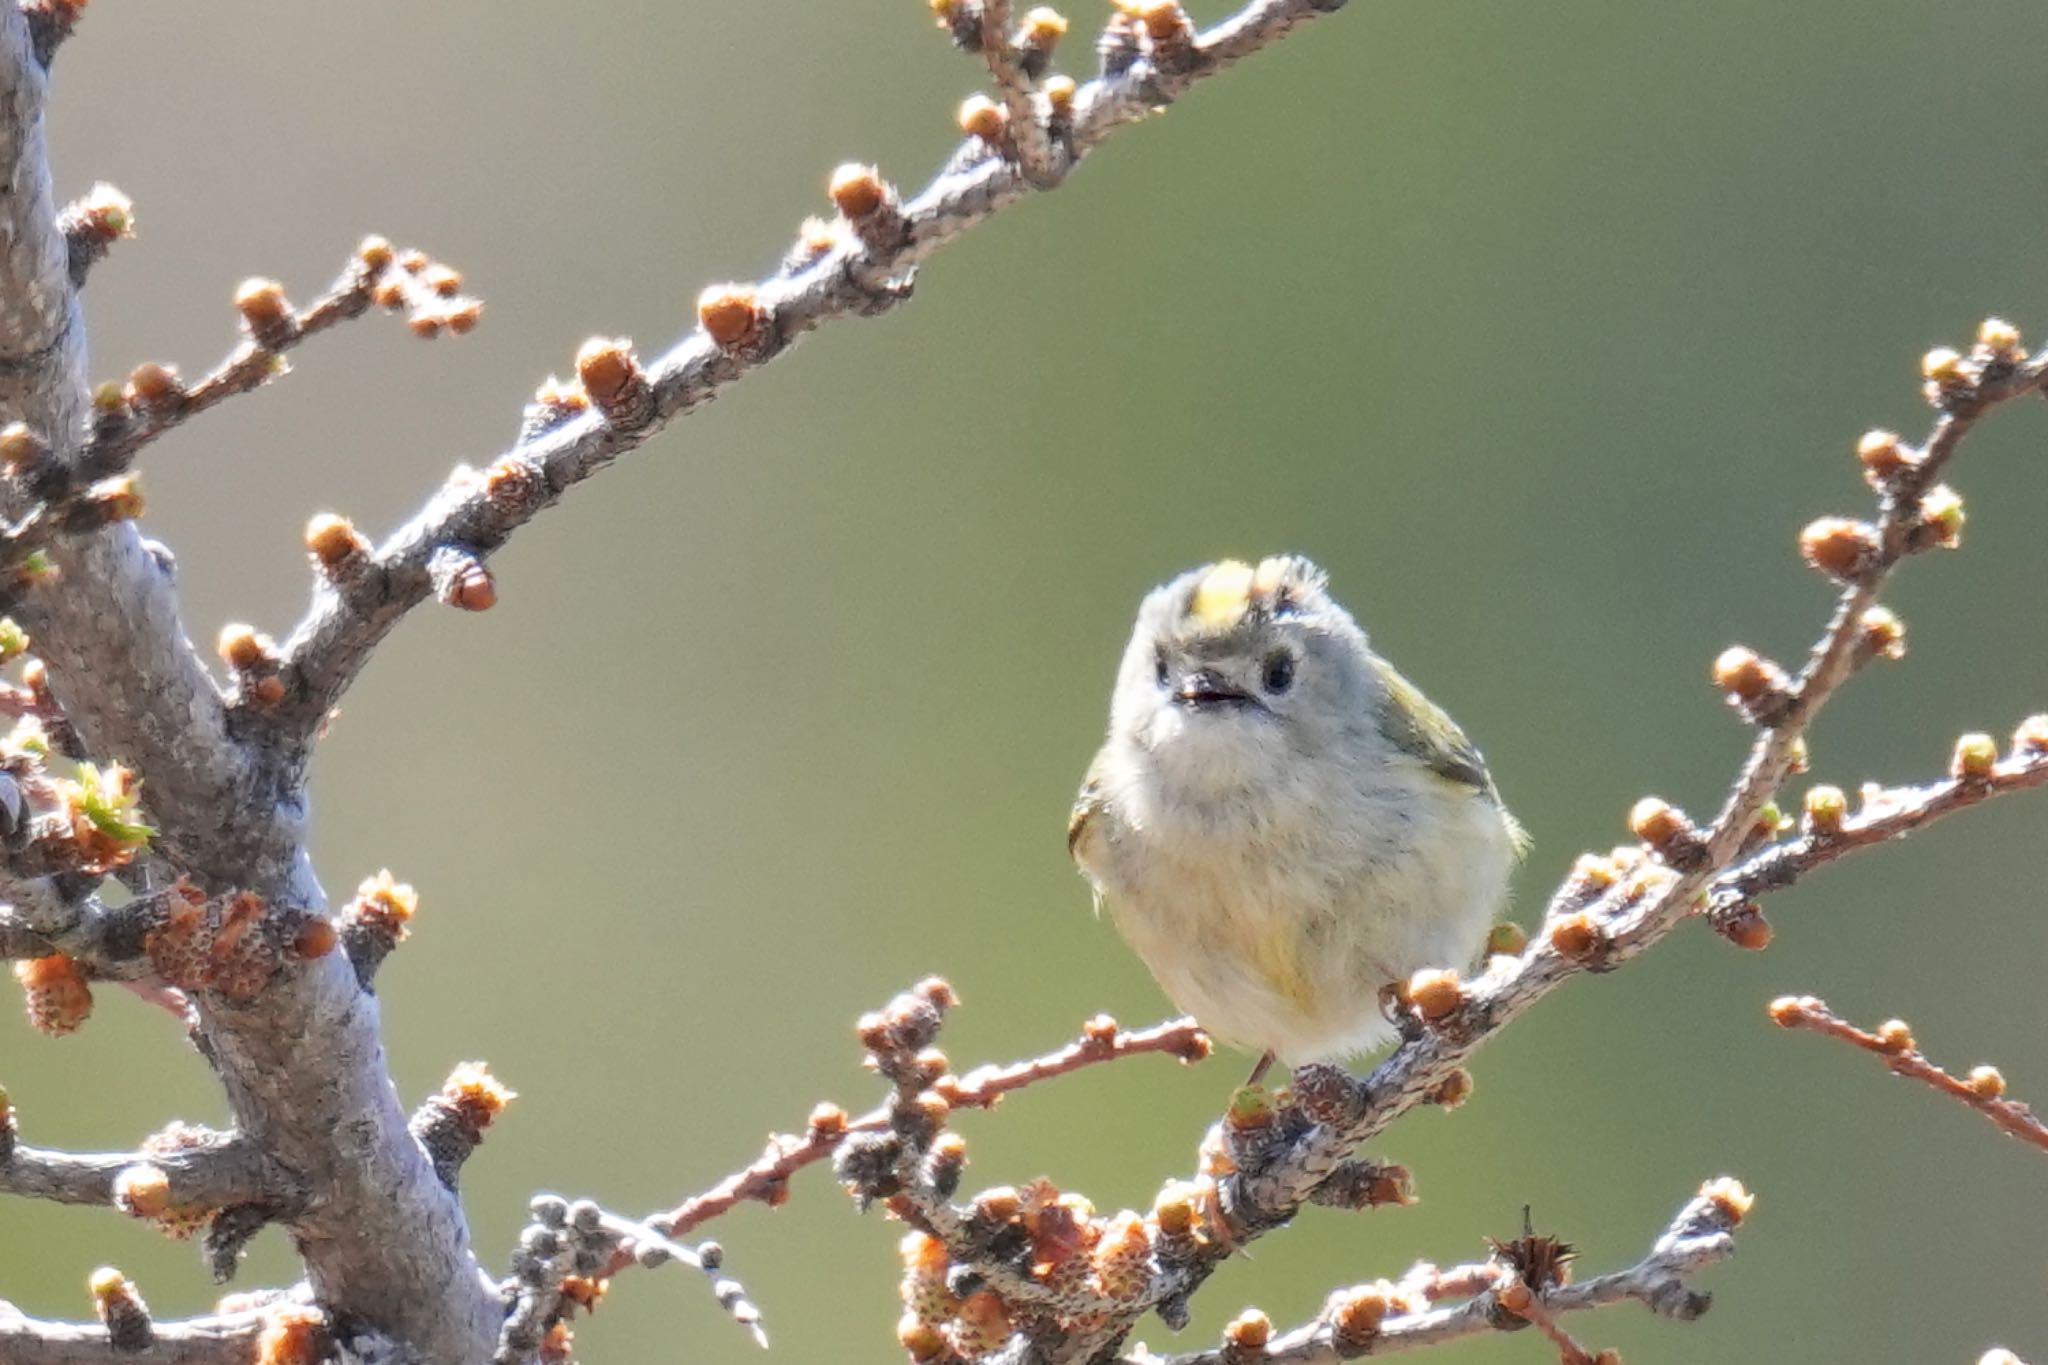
315,937
1896,1036
1747,929
142,1191
731,315
375,253
335,542
1453,1090
1163,19
1840,548
246,649
1436,994
153,386
1578,938
267,313
857,190
1789,1011
1355,1315
983,118
611,375
1245,1337
1730,1197
1986,1082
1883,458
1759,686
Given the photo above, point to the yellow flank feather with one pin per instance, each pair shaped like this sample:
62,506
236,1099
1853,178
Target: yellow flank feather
1223,594
1276,956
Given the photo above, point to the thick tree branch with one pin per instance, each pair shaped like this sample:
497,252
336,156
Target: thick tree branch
228,1339
109,625
220,1170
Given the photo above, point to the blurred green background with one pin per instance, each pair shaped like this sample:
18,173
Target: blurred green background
1542,326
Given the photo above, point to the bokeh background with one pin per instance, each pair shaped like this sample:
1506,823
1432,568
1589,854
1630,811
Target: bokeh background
1543,326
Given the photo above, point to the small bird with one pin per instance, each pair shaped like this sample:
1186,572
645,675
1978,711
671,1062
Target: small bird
1281,825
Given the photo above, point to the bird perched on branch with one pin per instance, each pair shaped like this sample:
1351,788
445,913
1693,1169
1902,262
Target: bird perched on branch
1281,825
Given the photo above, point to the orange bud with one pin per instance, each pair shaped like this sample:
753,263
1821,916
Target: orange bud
857,190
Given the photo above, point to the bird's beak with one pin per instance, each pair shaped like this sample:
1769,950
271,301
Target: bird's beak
1207,687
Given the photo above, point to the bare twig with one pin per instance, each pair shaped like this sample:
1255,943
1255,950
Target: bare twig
1381,1319
766,1181
861,273
1887,813
156,400
564,1258
1035,154
1983,1089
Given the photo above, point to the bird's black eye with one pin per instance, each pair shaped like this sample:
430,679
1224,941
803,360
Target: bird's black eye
1159,666
1279,672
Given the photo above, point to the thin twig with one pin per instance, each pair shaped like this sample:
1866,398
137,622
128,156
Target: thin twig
1701,1235
766,1181
158,402
854,278
1887,813
1035,156
1983,1091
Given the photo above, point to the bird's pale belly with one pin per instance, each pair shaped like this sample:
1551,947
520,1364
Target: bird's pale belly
1291,954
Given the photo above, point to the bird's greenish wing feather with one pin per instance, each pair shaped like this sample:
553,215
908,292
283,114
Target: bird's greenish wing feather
1087,802
1419,728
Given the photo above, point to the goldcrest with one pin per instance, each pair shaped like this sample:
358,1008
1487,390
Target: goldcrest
1280,824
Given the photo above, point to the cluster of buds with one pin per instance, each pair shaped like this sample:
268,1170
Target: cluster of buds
1156,30
376,921
232,944
451,1125
253,662
899,1041
66,504
428,292
1953,377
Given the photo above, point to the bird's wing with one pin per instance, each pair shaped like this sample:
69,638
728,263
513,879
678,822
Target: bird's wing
1087,804
1419,728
